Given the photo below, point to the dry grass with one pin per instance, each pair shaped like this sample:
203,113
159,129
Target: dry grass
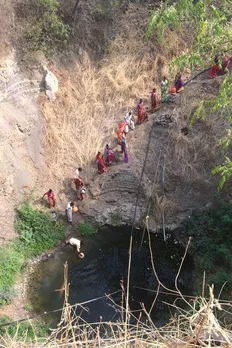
191,156
92,99
195,326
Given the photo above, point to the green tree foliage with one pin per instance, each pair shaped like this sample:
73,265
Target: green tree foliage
208,26
206,23
225,171
211,241
48,29
37,233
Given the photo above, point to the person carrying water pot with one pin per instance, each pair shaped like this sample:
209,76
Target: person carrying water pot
69,211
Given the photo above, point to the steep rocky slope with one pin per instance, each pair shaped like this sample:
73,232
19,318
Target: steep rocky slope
177,177
42,142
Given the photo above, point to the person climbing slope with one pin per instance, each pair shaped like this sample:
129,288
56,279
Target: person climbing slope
215,68
121,130
142,114
51,198
77,172
129,121
100,163
221,65
109,155
79,183
179,84
164,89
155,100
124,149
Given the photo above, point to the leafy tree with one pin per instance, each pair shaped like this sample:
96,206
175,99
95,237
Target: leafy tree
211,240
48,29
207,24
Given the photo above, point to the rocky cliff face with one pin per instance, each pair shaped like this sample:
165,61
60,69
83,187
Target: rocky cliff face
21,128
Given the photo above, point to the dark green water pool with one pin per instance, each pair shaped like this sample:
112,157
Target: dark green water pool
104,266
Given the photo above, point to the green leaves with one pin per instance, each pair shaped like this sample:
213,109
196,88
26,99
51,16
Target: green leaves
37,233
225,171
199,114
211,242
204,22
49,29
86,229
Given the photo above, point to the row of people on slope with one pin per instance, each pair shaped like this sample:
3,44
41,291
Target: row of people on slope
156,100
103,160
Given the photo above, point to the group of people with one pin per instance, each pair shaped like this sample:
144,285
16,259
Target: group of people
220,67
108,157
80,191
70,208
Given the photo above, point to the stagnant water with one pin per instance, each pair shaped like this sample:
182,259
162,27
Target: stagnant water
104,266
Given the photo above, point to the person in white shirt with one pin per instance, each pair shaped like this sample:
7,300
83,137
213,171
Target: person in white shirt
69,207
77,172
129,121
76,243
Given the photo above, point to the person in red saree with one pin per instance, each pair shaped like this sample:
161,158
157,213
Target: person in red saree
215,68
51,198
100,163
120,131
155,100
142,114
109,155
220,67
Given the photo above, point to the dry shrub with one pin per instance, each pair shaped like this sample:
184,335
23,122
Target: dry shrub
188,154
194,327
92,100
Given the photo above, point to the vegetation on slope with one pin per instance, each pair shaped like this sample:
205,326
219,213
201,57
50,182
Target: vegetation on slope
47,29
211,242
23,332
209,22
37,233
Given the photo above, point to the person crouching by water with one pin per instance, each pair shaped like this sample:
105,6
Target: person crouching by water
109,155
51,198
100,163
142,113
76,244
